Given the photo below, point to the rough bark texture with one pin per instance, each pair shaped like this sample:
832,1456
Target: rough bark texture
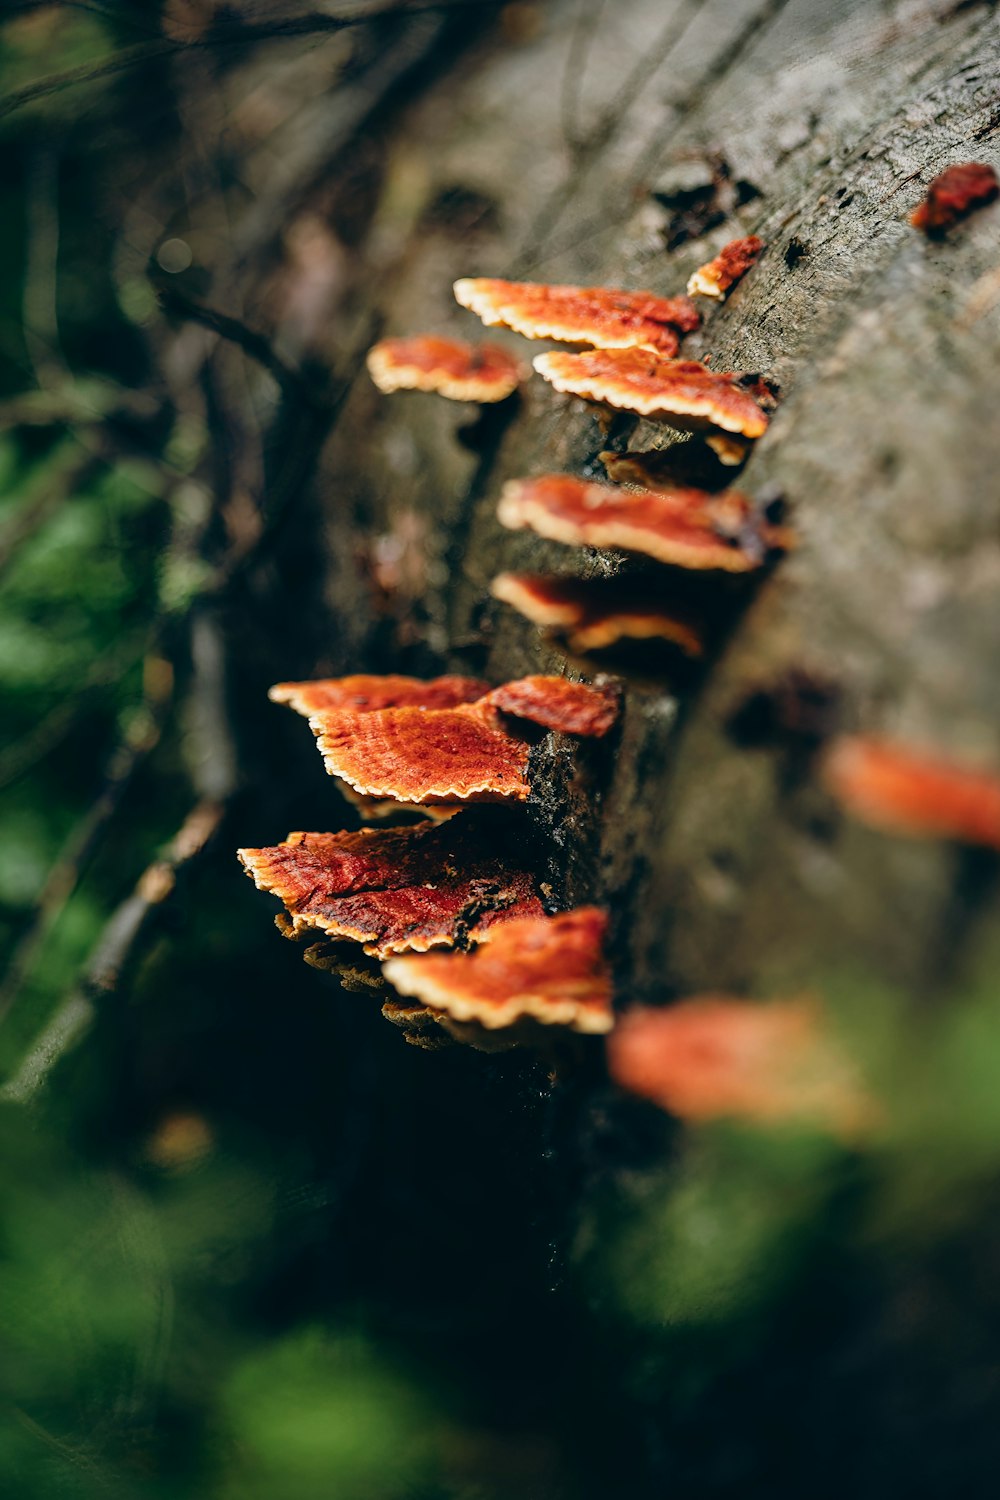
536,150
721,865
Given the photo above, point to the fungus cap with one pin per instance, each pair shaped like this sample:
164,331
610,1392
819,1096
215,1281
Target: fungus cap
364,693
714,1056
953,194
681,392
600,316
901,790
687,527
416,755
733,261
400,890
551,969
595,613
559,704
483,373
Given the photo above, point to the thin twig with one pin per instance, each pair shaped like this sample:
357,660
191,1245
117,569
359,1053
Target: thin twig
233,34
84,841
117,950
29,518
257,345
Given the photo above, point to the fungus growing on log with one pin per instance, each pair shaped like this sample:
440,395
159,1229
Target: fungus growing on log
953,194
733,261
595,613
462,754
364,693
687,527
559,704
483,373
686,463
395,891
713,1056
681,392
426,756
599,316
900,790
549,969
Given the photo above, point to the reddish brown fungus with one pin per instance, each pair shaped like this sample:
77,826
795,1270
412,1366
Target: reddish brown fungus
551,969
594,614
363,694
681,392
732,262
449,367
605,318
907,791
953,194
417,755
687,527
556,703
403,890
714,1056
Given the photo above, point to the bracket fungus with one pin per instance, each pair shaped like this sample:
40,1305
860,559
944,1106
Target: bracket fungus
393,891
548,969
953,194
464,754
901,790
712,1057
599,316
364,694
681,392
594,614
559,704
733,261
484,373
686,527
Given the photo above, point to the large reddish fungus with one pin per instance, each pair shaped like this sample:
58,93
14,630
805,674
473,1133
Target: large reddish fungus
401,890
415,755
953,194
551,969
732,262
556,703
714,1056
687,527
463,754
904,791
595,613
607,319
363,694
681,392
449,367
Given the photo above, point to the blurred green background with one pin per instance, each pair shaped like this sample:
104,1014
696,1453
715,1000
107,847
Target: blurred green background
252,1245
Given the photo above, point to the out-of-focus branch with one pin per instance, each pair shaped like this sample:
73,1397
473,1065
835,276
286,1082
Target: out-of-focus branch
79,849
235,33
118,949
254,344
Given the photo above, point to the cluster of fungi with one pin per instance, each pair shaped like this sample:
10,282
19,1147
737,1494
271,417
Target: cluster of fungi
443,917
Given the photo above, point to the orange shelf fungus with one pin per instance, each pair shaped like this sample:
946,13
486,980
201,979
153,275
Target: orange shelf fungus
594,614
687,527
599,316
548,969
681,392
426,756
714,1057
733,261
900,790
395,891
363,694
559,704
483,373
953,194
468,753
